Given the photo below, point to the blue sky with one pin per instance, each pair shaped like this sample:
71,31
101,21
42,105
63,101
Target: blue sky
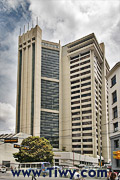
64,20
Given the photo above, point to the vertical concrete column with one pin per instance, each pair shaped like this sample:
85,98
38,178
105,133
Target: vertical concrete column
93,103
22,93
60,99
104,123
29,86
37,82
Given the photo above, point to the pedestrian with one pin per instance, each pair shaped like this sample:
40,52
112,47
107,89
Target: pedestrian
33,177
77,175
113,176
119,175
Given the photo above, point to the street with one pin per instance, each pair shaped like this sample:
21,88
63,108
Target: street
9,176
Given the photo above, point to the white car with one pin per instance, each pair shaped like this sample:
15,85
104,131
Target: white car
3,169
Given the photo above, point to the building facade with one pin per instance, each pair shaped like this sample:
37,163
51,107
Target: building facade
85,100
114,114
7,149
62,93
38,87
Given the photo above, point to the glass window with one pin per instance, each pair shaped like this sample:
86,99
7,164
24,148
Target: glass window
118,163
22,165
87,128
115,126
113,81
87,140
115,113
49,95
116,143
114,97
76,146
50,63
49,127
87,146
76,140
27,165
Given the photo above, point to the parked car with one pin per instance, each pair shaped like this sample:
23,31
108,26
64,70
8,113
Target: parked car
3,169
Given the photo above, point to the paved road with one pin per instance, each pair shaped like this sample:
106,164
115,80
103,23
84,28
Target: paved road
9,176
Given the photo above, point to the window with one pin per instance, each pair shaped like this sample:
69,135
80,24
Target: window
76,129
86,105
75,124
114,97
75,92
113,81
86,84
75,97
87,152
118,163
75,102
87,146
77,81
76,135
115,126
76,146
86,100
74,87
87,140
86,117
85,79
116,143
87,128
76,107
86,112
87,122
86,72
115,113
87,134
75,119
86,67
84,95
76,140
75,113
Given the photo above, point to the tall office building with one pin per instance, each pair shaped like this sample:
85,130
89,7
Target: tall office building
38,90
85,104
62,93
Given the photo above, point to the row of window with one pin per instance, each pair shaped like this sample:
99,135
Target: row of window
80,74
83,129
82,95
84,140
80,69
83,134
82,101
83,112
82,63
83,118
84,146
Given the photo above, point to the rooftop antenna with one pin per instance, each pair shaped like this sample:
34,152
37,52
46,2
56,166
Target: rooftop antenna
20,31
36,20
28,26
32,24
24,28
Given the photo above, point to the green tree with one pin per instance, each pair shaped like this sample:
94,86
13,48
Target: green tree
40,150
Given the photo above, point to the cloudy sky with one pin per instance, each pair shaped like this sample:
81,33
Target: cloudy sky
64,20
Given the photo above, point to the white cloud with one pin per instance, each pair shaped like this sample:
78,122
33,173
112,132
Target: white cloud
7,118
73,19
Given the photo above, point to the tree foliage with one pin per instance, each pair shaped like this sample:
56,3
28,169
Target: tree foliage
40,150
